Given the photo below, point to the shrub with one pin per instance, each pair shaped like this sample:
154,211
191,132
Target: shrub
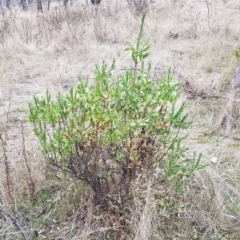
117,130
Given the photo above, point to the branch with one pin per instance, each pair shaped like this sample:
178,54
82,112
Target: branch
15,222
208,12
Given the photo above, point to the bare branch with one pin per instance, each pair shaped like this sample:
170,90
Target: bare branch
15,222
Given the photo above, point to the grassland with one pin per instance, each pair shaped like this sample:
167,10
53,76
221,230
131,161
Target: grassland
49,50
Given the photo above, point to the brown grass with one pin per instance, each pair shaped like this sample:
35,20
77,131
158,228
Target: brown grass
50,49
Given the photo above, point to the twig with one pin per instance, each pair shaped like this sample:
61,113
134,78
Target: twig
208,13
4,146
3,140
31,184
7,167
15,222
195,93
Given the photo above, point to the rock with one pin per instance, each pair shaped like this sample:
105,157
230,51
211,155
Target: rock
214,160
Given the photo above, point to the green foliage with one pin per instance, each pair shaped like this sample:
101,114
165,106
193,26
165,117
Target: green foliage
109,133
236,53
140,52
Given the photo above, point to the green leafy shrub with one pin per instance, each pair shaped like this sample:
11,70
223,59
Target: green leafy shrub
111,133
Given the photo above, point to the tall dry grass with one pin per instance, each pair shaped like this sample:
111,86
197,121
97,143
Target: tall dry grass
50,49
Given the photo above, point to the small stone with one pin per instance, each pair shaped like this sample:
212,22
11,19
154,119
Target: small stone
214,160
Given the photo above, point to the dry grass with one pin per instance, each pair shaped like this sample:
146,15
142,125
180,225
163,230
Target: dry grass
49,50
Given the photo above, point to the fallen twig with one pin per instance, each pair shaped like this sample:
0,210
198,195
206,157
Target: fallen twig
208,13
15,222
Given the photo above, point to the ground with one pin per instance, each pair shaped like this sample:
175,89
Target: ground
50,50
